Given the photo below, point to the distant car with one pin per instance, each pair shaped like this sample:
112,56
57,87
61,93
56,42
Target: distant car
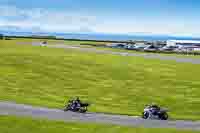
168,48
118,45
130,47
140,47
178,50
151,48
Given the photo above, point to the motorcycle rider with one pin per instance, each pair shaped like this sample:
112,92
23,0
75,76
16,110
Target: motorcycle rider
154,108
76,104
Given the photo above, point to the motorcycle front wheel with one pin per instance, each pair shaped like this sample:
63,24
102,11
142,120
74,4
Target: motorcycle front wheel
145,115
83,110
67,108
164,116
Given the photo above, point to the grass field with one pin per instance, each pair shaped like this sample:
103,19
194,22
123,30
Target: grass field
113,84
67,42
27,125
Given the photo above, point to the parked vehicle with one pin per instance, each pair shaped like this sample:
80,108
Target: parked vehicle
130,47
140,47
151,48
76,105
154,112
117,45
168,48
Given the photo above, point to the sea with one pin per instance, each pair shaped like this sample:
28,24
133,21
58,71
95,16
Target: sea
102,36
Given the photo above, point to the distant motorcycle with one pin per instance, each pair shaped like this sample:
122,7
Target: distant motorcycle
154,112
76,106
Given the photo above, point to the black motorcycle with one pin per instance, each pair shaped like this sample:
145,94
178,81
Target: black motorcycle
75,106
151,112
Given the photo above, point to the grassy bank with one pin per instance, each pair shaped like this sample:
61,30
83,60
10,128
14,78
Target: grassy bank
52,41
27,125
113,84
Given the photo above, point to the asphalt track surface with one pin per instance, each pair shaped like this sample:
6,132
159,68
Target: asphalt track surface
145,55
9,108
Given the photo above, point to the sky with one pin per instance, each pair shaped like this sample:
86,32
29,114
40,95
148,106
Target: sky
174,17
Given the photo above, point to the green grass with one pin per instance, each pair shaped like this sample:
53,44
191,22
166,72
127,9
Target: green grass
67,42
113,84
10,124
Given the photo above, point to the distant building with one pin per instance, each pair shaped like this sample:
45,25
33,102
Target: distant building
183,43
140,42
159,43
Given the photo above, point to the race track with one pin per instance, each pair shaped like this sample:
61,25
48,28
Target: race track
8,108
145,55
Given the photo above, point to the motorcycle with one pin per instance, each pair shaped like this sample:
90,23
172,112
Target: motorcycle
154,113
75,106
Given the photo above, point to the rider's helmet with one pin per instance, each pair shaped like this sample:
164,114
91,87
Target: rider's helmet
77,99
155,106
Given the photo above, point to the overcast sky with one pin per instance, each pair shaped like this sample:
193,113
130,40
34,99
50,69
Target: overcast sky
177,17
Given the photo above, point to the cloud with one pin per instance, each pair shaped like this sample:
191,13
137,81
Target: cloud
45,20
49,20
